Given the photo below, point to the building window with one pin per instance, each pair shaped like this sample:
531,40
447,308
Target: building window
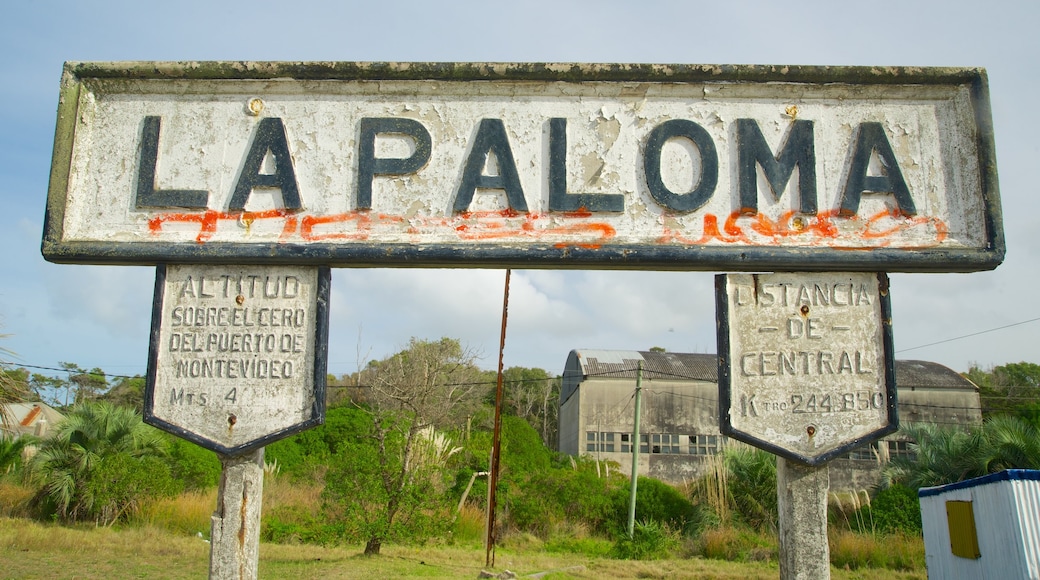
626,443
704,444
662,443
865,452
600,441
900,449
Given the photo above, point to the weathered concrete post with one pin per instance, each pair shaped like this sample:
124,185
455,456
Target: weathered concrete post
802,502
234,552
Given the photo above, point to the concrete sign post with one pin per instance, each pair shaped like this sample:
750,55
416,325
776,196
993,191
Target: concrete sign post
237,360
806,371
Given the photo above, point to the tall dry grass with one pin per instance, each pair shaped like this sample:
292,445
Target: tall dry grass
856,550
14,500
188,513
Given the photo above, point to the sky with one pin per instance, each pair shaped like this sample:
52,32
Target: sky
99,316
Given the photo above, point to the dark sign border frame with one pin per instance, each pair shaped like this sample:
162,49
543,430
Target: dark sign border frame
726,393
619,256
320,378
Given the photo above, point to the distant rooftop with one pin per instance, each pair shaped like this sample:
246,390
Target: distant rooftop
621,364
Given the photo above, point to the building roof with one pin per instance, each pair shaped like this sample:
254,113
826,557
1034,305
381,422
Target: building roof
29,418
622,364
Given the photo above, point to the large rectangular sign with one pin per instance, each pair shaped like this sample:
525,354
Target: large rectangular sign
525,165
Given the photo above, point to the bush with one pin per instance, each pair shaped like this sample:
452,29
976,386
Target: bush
658,502
543,500
751,486
650,541
893,509
121,482
196,468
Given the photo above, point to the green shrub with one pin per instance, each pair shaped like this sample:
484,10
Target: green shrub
544,499
650,541
120,482
196,468
893,509
751,485
659,502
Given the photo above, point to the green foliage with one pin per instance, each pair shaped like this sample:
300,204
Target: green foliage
751,485
539,501
121,481
70,468
893,509
14,384
530,394
195,467
1010,389
650,541
522,447
943,455
1011,443
128,392
659,503
378,490
11,452
309,451
296,525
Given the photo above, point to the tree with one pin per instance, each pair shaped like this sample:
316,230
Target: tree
532,393
1011,389
89,384
382,486
436,382
100,463
128,392
13,387
429,385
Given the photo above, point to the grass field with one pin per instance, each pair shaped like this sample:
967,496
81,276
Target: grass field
32,550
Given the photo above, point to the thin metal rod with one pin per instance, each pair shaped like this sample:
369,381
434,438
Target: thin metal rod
496,441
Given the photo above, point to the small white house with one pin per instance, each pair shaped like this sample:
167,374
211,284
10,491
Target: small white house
987,528
36,418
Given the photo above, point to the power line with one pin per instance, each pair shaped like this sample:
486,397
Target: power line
968,335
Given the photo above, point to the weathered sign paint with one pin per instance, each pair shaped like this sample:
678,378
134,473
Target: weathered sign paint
238,353
806,366
580,166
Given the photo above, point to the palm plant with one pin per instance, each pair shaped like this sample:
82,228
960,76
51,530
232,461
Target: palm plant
11,449
943,455
752,485
68,464
1012,443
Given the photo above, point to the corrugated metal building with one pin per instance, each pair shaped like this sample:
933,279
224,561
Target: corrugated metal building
983,528
679,429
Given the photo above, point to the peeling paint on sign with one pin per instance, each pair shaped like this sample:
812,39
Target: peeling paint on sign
688,169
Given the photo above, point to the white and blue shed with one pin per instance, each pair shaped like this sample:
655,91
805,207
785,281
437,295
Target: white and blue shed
983,528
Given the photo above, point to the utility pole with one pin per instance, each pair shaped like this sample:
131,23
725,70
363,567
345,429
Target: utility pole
635,452
496,439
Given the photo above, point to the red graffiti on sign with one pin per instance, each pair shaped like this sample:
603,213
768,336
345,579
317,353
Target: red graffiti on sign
576,229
